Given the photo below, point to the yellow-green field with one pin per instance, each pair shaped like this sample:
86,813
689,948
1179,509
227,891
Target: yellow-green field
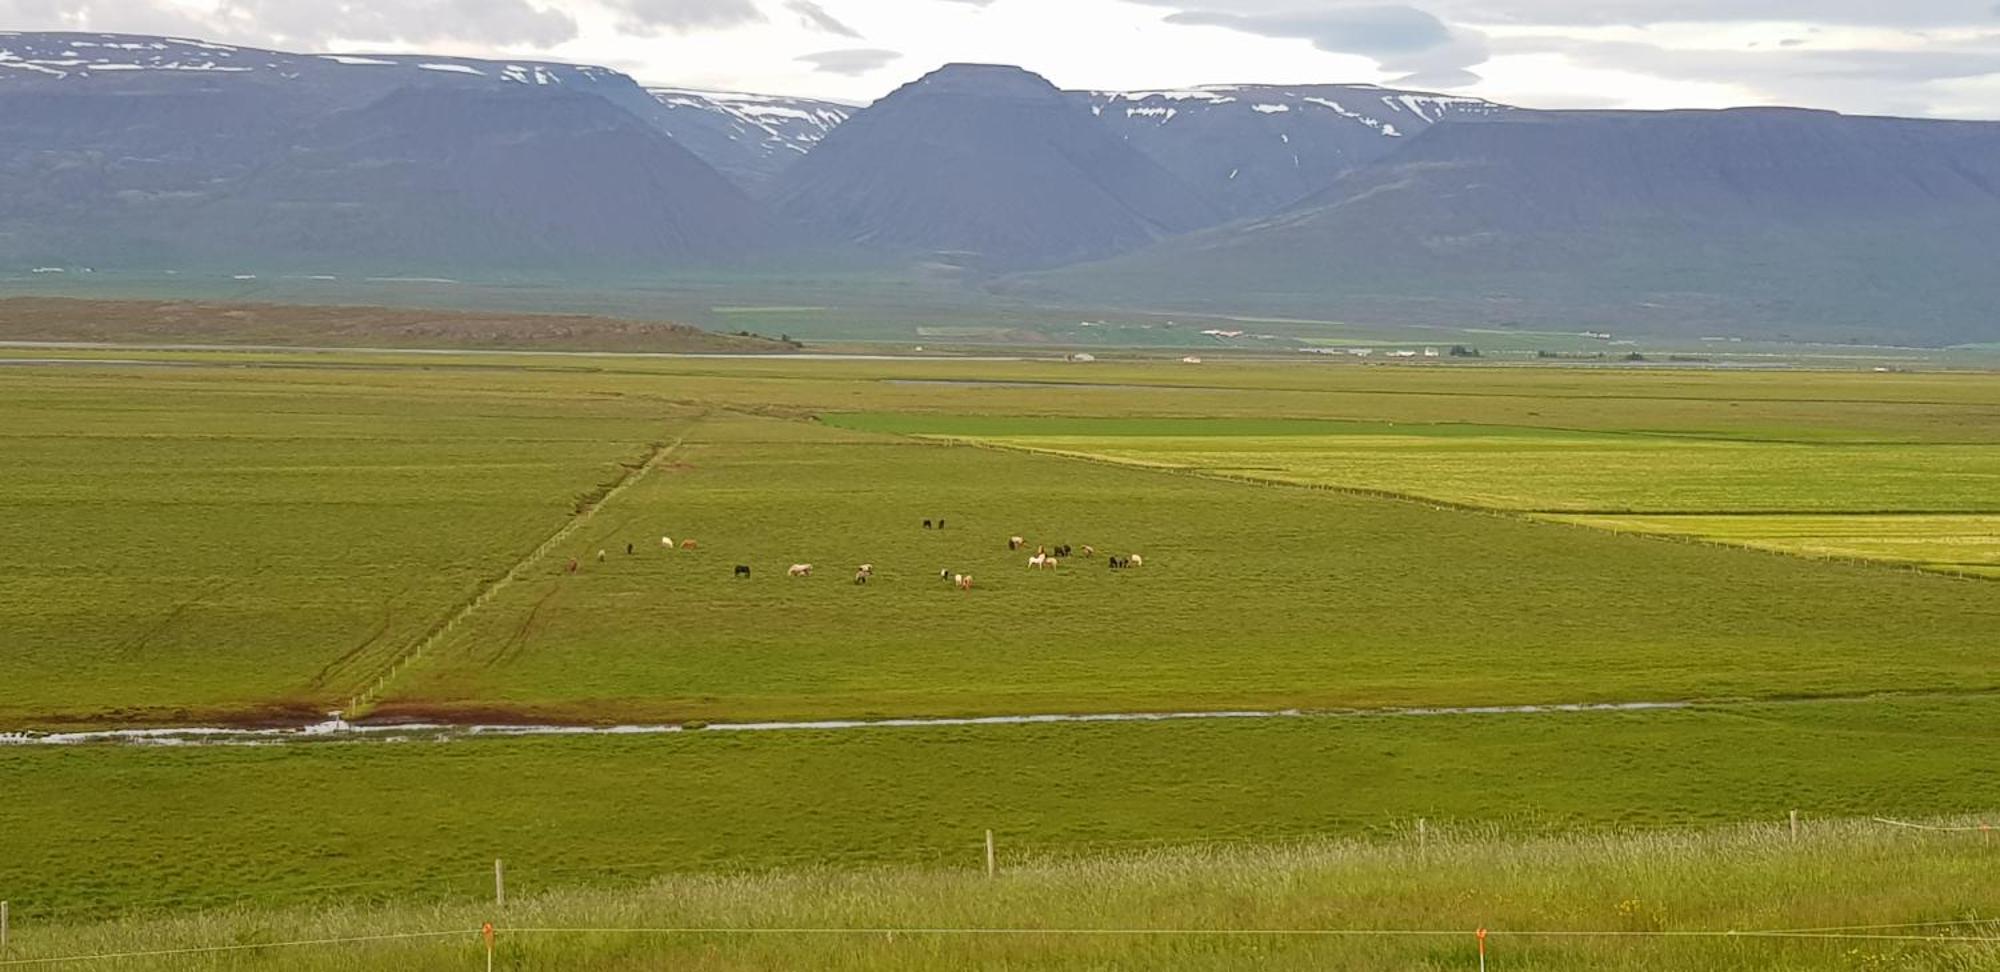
1918,502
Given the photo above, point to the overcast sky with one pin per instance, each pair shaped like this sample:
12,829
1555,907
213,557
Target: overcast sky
1917,57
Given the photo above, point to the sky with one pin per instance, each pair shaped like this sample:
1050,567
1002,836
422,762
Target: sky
1905,57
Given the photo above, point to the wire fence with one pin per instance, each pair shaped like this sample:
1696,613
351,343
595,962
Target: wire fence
1987,933
1956,931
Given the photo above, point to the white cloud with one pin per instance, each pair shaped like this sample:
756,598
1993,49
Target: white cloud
1916,56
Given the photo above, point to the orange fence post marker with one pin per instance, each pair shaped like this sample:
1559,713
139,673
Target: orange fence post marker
1482,950
486,932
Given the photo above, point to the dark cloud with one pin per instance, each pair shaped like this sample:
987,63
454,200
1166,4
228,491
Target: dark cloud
1402,39
851,62
815,16
654,16
1357,30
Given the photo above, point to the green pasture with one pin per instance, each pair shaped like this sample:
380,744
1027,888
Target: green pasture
261,535
94,830
233,545
1252,596
258,535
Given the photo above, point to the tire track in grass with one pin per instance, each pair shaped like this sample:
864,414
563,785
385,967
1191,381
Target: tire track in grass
365,700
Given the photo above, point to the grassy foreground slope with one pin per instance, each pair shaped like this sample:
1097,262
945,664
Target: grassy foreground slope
97,831
1251,596
1733,900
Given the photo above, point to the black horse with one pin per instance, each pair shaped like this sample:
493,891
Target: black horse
742,570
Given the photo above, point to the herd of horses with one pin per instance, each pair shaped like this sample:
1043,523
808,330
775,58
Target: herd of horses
1045,558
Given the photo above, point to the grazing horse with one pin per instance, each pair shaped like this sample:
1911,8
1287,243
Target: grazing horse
1016,543
927,524
801,570
945,574
600,555
628,550
940,524
1089,551
964,581
1043,561
742,570
667,542
1138,561
689,545
1117,564
863,572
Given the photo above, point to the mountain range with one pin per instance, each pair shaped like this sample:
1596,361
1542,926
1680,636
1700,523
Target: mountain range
1341,202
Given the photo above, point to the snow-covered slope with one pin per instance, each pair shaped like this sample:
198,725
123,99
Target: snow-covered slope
750,137
44,57
1255,148
122,150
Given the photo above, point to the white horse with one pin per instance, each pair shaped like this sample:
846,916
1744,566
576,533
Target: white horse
801,570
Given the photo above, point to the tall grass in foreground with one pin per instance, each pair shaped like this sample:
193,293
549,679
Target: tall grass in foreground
1882,898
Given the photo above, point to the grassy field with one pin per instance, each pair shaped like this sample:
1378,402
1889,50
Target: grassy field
1252,596
1920,502
257,535
1655,902
239,545
92,831
250,542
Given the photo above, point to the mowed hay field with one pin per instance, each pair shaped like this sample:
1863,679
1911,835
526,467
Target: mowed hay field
1905,500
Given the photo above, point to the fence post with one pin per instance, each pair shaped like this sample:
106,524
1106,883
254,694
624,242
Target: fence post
499,883
1795,826
991,866
3,927
1423,837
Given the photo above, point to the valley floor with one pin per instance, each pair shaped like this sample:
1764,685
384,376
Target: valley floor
258,538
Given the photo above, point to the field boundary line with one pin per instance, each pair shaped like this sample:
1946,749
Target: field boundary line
998,931
1523,516
366,699
1982,828
890,931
